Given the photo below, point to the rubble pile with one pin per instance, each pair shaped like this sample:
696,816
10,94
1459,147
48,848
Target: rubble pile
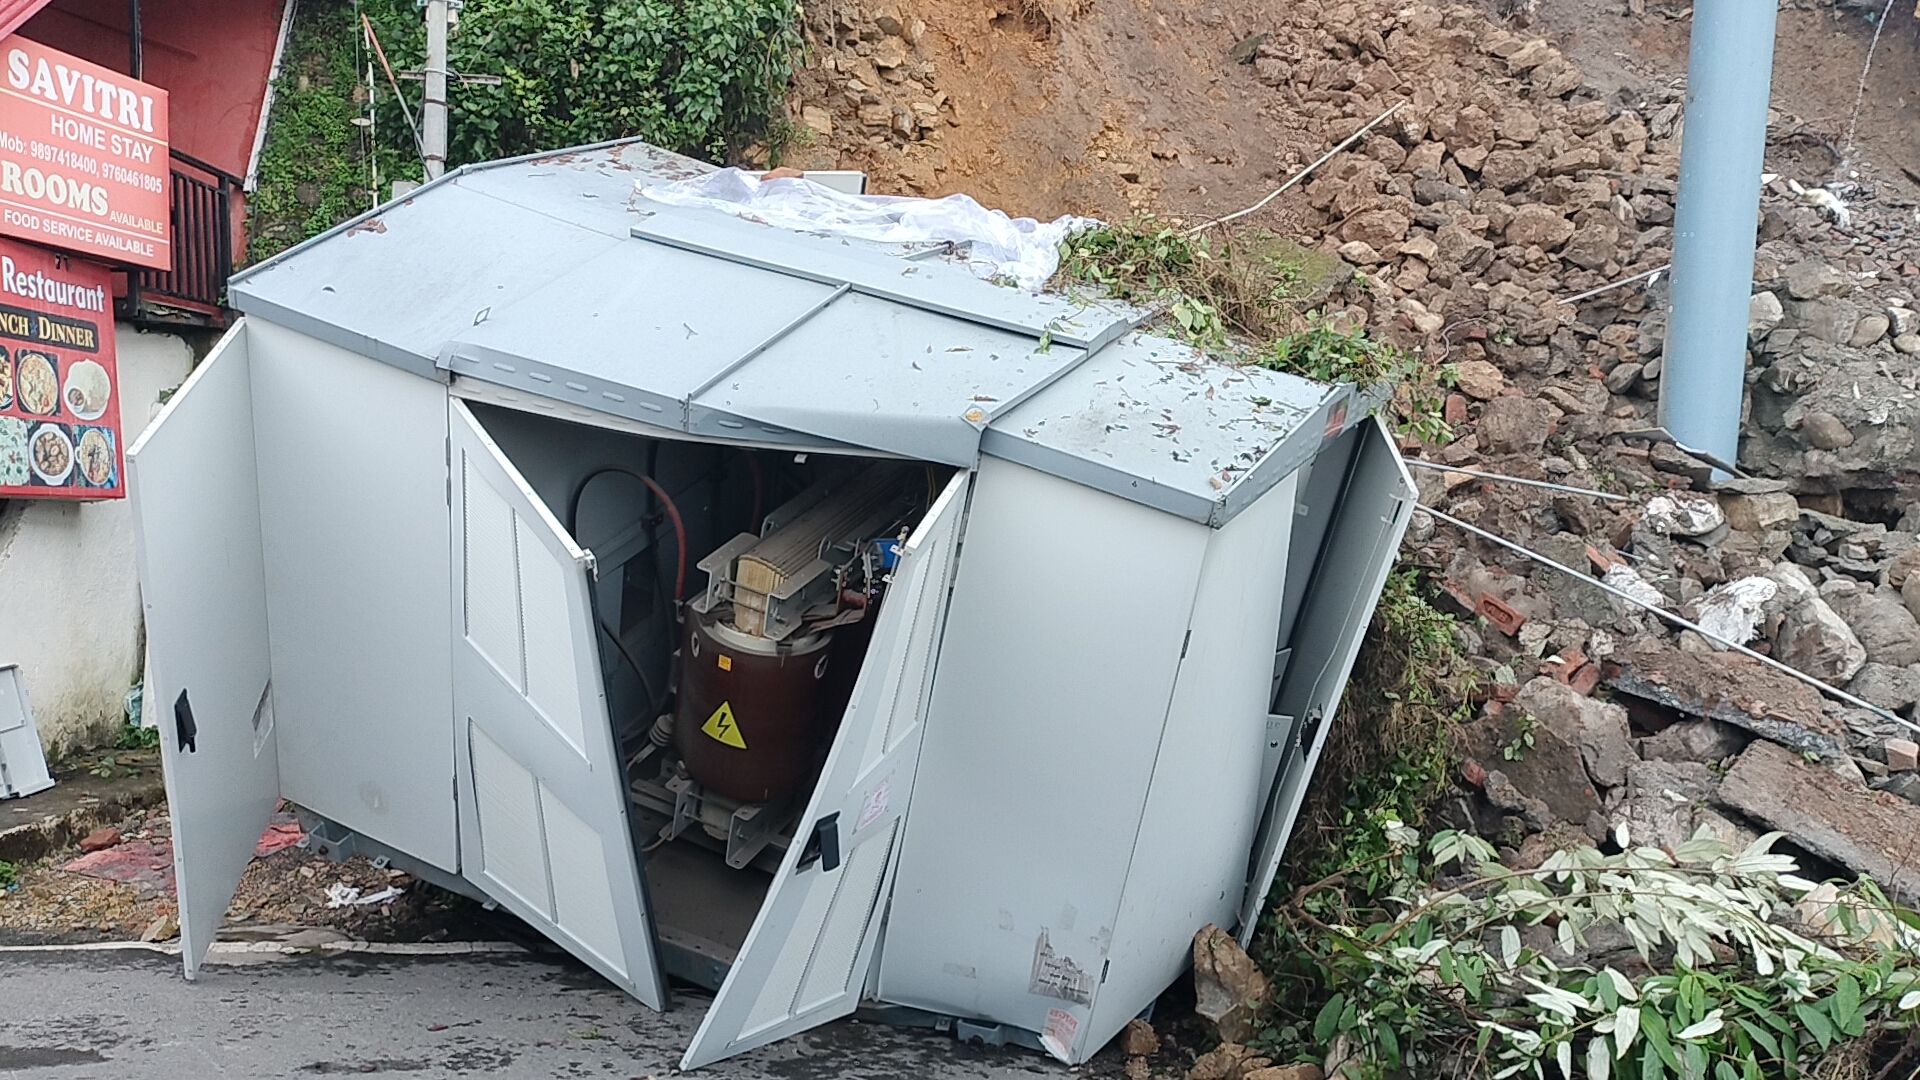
1480,223
872,88
1500,190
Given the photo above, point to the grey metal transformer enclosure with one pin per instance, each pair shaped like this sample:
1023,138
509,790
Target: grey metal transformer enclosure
1086,714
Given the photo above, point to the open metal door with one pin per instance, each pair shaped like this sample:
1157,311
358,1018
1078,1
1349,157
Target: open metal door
544,827
806,959
196,519
1354,558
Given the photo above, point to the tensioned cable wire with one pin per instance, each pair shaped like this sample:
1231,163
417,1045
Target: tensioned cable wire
1675,619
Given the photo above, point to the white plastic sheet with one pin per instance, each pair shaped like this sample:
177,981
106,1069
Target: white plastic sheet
1020,250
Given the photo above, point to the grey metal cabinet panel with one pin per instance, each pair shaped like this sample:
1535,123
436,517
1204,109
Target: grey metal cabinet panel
1063,638
23,765
806,959
353,516
543,796
196,520
1355,558
1188,867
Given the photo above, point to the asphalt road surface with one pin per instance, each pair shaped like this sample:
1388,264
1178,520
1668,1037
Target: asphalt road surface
128,1015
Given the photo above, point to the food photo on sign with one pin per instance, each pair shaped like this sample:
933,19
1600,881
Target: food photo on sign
59,405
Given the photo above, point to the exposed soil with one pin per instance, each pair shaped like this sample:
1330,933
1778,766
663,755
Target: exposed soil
285,889
1104,107
1819,52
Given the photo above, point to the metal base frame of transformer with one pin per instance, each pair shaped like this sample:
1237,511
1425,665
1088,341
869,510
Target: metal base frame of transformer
324,836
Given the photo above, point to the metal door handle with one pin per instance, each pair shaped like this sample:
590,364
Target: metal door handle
183,726
823,845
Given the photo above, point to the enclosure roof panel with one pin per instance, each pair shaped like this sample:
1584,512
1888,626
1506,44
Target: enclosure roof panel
1152,420
550,276
896,378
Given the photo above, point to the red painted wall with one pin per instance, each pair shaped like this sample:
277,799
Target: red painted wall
212,56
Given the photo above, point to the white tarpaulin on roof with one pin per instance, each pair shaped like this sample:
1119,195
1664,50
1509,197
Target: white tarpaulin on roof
1022,250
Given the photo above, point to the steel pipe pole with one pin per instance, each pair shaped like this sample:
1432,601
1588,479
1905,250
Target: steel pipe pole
1729,73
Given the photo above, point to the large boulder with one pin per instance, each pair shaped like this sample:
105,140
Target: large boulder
1811,637
1599,729
1879,619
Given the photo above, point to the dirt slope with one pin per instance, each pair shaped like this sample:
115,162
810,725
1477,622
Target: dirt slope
1101,107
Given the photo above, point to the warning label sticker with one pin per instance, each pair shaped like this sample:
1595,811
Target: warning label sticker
722,728
1058,1038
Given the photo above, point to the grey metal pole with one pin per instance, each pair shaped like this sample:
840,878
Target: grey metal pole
1729,73
433,108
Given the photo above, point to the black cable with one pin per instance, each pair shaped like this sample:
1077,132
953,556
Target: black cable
655,700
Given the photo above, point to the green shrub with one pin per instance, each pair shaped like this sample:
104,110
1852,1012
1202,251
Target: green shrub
702,77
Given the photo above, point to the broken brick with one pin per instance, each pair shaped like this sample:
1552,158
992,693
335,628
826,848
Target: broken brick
1474,773
1602,560
100,839
1495,611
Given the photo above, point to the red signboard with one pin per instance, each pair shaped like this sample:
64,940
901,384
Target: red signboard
83,157
59,385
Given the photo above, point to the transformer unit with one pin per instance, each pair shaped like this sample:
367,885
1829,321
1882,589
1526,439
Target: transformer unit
806,620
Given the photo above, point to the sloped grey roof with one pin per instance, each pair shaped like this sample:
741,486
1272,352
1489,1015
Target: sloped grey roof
1151,420
550,276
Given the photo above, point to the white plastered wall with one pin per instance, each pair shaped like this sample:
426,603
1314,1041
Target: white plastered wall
69,596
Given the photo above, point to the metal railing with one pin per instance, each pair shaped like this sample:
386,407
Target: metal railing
202,246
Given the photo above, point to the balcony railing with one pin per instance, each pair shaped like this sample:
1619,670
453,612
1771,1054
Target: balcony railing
202,249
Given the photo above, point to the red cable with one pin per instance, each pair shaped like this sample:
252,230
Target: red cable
679,538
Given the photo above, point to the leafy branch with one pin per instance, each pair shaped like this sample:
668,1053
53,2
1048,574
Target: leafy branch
1744,970
1252,296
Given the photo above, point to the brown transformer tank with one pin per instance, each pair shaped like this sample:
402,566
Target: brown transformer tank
749,722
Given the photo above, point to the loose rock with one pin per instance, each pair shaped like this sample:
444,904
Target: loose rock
1811,637
1229,988
1515,425
1479,380
1763,314
1825,431
1138,1037
1850,826
1597,728
100,839
1701,741
1903,755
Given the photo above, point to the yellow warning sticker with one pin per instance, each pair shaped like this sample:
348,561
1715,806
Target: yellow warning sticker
726,662
722,728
